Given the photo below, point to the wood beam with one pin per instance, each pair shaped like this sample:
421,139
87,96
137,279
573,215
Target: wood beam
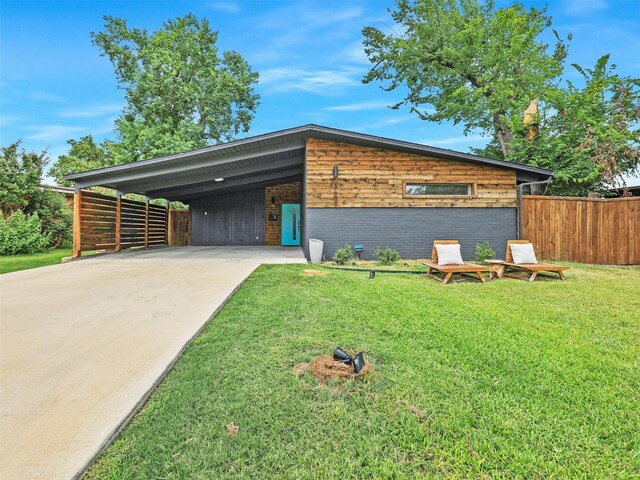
118,246
146,222
77,224
167,227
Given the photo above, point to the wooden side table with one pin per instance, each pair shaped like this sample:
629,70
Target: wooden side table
496,268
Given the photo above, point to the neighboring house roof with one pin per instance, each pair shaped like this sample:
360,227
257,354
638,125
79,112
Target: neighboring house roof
264,158
633,190
58,189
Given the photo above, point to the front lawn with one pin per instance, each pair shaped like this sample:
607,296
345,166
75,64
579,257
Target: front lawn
13,263
508,379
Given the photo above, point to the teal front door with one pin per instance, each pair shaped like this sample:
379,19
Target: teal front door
290,224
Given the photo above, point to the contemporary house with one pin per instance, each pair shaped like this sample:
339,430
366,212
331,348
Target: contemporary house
285,187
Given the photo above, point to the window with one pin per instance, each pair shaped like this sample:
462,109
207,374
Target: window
445,189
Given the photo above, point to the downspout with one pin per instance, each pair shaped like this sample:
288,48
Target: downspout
520,187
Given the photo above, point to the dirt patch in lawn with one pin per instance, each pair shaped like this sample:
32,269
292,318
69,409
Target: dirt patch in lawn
299,369
314,273
324,367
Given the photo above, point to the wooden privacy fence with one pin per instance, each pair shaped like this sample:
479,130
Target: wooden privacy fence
101,222
586,230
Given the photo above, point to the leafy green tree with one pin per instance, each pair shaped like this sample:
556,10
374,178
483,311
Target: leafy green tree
84,154
589,136
473,63
20,174
181,92
36,213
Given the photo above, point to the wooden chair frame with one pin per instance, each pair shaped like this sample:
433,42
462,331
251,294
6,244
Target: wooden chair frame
449,270
531,268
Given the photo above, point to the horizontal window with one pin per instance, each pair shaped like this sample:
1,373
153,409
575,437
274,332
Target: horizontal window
438,189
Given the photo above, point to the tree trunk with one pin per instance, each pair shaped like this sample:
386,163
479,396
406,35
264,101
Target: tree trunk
502,134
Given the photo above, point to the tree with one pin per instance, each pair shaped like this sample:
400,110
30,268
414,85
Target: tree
589,136
475,64
485,68
83,155
33,218
20,173
181,94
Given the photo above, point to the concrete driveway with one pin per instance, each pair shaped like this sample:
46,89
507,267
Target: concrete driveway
83,343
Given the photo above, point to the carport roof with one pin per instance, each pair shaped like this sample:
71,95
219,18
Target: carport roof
261,159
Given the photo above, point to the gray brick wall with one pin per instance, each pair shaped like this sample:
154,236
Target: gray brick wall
411,231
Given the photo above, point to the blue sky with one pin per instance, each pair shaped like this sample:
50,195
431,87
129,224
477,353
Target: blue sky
55,86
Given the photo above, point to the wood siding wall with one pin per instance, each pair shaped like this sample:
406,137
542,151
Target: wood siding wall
275,196
369,177
102,222
586,230
179,228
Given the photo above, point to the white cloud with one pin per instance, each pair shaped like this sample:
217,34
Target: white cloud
355,53
360,106
54,132
323,82
64,132
304,27
97,110
46,97
454,140
388,122
228,7
584,6
8,120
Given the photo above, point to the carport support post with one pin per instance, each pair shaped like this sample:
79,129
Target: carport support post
146,222
118,221
166,233
77,223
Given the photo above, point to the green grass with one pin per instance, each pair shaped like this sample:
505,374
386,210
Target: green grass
13,263
502,380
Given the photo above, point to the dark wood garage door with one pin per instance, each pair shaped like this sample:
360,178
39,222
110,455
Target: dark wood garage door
235,218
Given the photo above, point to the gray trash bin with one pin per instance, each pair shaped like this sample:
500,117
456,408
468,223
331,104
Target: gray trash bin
315,250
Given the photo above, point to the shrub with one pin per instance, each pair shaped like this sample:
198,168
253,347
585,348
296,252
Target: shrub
387,256
22,233
56,216
484,252
344,255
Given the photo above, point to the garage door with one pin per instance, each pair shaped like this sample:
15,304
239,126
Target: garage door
235,218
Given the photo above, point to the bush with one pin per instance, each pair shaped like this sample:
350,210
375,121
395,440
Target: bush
484,252
387,256
22,233
56,216
344,255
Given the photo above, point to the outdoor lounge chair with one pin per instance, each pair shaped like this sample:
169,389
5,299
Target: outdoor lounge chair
532,268
449,269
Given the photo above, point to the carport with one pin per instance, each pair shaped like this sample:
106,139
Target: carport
235,192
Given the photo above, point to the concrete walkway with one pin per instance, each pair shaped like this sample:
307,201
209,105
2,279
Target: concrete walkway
82,343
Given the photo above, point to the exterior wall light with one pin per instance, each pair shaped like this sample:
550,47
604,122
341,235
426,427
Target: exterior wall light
335,171
218,179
